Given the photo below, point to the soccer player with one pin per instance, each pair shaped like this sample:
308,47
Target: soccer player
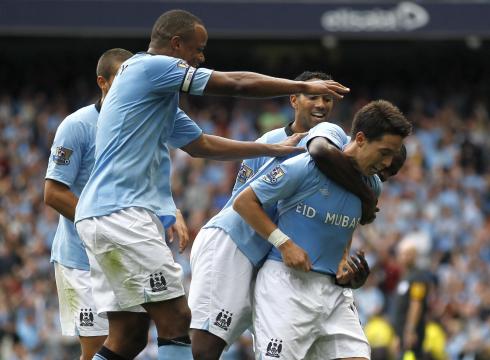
70,163
303,314
132,269
226,251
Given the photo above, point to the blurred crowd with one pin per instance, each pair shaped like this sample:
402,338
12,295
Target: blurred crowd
440,202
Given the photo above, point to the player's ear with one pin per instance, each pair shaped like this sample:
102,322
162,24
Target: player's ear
360,138
293,100
175,42
102,83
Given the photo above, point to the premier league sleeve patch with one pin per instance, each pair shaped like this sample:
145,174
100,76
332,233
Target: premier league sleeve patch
182,64
62,155
244,173
274,176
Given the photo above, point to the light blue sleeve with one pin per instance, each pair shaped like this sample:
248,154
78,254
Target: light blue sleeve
282,181
66,152
185,130
249,167
168,74
332,132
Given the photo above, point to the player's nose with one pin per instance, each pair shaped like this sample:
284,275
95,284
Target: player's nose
387,161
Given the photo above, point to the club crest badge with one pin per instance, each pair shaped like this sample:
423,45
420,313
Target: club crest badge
274,348
158,282
86,317
223,320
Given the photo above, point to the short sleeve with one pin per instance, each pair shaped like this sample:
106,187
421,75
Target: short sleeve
281,181
66,152
168,74
330,131
185,130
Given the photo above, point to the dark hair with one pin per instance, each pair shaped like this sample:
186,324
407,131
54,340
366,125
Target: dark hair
172,23
396,164
378,118
308,75
109,62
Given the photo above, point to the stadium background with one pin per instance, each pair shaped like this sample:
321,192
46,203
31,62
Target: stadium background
437,73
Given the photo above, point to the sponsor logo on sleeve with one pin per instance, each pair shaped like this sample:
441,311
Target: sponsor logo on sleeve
274,176
244,173
182,64
62,155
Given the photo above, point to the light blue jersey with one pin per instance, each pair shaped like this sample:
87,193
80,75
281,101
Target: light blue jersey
139,118
247,240
70,163
316,213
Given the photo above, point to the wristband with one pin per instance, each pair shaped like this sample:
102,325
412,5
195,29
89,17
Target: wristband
277,238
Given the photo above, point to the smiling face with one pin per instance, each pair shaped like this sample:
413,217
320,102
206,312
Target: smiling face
376,155
191,47
310,110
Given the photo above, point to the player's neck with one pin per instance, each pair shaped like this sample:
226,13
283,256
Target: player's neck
351,149
297,128
159,51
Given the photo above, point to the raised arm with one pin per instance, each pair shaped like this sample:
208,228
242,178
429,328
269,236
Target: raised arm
342,169
249,84
218,148
250,209
59,197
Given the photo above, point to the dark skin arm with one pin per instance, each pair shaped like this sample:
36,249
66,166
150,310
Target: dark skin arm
249,84
59,197
218,148
343,170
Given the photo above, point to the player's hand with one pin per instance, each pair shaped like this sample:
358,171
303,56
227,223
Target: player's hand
294,139
179,228
326,87
294,256
369,208
344,273
360,270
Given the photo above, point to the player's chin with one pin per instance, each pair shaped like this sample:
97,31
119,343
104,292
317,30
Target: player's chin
314,120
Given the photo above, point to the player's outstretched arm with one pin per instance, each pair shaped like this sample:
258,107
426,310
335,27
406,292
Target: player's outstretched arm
342,169
60,198
249,84
248,206
219,148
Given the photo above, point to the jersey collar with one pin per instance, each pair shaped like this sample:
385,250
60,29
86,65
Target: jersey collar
288,129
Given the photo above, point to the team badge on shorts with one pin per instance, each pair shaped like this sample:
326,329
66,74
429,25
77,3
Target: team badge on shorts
274,176
62,155
86,317
158,282
244,173
274,348
223,320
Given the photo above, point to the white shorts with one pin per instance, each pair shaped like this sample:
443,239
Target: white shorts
299,315
130,263
220,292
78,315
